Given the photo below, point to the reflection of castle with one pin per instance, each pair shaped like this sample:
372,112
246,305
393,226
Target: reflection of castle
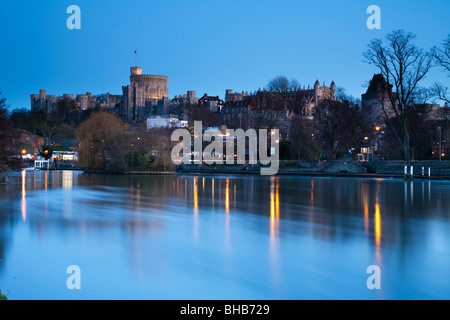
146,94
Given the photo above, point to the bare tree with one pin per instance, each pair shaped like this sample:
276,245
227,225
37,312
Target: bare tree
404,66
441,55
7,153
282,84
340,126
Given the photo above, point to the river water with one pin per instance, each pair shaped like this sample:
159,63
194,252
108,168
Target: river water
223,237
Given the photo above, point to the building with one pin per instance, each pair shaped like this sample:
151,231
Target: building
49,103
375,98
146,94
213,103
165,121
296,101
190,98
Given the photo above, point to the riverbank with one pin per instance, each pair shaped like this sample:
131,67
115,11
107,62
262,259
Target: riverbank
159,173
379,169
375,169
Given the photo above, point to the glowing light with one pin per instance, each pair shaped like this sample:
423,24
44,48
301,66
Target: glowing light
195,196
377,225
277,199
274,208
212,192
366,214
365,200
227,197
67,180
24,201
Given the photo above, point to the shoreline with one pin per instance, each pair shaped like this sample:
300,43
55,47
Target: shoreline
339,169
280,173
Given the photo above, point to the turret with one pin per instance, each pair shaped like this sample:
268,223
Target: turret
136,71
316,85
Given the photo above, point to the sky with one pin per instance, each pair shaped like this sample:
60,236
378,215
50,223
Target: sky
206,46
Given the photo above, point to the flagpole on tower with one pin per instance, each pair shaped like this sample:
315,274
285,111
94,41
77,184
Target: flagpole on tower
135,57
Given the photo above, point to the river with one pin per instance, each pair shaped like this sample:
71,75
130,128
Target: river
223,237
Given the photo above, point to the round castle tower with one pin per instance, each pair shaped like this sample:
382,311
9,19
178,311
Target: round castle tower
153,86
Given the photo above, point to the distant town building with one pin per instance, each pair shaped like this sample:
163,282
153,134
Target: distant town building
213,103
376,99
301,101
165,121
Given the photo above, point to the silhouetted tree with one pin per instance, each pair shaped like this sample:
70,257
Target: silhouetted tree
282,84
441,55
102,138
304,144
339,126
403,65
68,111
8,157
203,114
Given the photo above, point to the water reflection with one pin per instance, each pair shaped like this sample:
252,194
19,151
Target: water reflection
24,195
274,208
241,237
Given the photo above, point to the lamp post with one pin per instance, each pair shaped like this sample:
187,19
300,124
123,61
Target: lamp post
440,146
376,140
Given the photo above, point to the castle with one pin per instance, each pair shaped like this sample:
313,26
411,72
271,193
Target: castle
146,94
305,100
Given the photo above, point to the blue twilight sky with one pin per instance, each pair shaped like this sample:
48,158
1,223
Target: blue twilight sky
202,45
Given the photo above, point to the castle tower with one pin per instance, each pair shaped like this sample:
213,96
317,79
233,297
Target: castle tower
333,90
136,71
316,93
144,90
